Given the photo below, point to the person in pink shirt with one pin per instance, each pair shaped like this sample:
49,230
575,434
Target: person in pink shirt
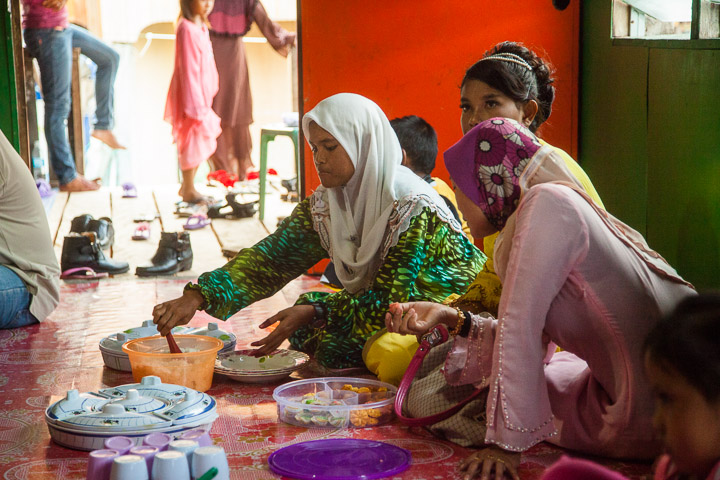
195,126
573,276
682,362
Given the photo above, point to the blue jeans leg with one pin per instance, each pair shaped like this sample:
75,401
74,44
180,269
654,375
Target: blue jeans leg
53,51
14,301
107,61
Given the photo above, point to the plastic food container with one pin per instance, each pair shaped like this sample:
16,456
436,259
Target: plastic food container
338,402
115,358
84,421
193,368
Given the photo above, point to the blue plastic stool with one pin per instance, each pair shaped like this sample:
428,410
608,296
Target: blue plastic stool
267,135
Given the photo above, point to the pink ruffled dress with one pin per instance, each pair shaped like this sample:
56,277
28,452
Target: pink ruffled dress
192,89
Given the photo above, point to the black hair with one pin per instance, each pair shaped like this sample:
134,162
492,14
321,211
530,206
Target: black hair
419,140
515,80
688,341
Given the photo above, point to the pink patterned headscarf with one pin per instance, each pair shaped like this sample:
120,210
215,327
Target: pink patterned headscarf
486,165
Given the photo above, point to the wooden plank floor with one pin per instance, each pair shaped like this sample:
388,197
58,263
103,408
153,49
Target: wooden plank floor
229,235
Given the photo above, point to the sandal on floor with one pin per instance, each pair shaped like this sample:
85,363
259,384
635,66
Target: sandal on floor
241,210
142,232
129,190
222,177
196,222
185,209
84,273
148,217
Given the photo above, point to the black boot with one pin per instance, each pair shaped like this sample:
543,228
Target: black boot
102,227
80,223
174,254
83,251
104,232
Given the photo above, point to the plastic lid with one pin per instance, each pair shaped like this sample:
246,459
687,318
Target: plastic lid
339,459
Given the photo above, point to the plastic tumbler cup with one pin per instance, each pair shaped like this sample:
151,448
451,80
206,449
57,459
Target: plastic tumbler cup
199,435
185,446
204,458
145,451
170,465
158,439
100,462
119,443
129,467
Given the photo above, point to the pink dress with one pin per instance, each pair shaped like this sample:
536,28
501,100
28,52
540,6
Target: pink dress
571,279
192,89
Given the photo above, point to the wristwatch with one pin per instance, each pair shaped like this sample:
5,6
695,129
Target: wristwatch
321,315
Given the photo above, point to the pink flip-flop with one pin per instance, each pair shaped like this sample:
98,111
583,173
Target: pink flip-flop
83,273
196,221
142,231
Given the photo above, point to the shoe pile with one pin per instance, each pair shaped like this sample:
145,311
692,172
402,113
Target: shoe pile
223,178
83,249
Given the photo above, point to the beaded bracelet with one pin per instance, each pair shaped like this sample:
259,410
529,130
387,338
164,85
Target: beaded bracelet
460,321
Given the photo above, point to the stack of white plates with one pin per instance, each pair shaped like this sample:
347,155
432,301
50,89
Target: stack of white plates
242,366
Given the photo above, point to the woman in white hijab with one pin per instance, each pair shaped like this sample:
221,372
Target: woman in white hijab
389,234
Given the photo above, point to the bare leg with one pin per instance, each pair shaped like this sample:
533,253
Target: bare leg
189,193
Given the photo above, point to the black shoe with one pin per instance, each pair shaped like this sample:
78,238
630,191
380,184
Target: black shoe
83,251
104,232
290,184
174,254
80,223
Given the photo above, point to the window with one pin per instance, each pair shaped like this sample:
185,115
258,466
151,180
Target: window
666,19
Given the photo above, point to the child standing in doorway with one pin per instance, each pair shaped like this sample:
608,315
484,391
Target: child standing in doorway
192,89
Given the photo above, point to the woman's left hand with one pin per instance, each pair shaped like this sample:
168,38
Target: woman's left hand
290,320
503,462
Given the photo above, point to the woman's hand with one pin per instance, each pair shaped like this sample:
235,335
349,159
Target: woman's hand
177,312
290,320
54,4
504,464
417,318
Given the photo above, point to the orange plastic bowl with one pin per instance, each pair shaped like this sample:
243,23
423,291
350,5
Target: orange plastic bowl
193,368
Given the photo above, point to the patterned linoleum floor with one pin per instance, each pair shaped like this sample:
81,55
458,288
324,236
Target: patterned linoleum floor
39,364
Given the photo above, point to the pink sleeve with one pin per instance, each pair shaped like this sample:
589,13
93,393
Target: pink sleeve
550,238
470,359
190,70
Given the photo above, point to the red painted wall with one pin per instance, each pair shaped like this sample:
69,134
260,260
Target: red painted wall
410,57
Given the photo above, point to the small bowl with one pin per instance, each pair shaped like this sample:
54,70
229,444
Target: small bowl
193,368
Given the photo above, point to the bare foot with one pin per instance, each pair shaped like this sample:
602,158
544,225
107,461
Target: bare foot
196,197
108,138
79,184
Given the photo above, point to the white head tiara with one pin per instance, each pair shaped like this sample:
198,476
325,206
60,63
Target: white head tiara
509,57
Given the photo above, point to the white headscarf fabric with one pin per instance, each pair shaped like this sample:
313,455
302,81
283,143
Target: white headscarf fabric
360,221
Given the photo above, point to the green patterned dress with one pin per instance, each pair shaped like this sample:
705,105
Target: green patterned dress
429,262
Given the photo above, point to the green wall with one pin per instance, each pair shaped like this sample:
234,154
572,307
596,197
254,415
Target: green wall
650,139
8,99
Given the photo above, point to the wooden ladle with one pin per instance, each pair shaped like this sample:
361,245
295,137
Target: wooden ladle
172,344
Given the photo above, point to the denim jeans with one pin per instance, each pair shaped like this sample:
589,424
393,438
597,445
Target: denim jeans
14,301
53,50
